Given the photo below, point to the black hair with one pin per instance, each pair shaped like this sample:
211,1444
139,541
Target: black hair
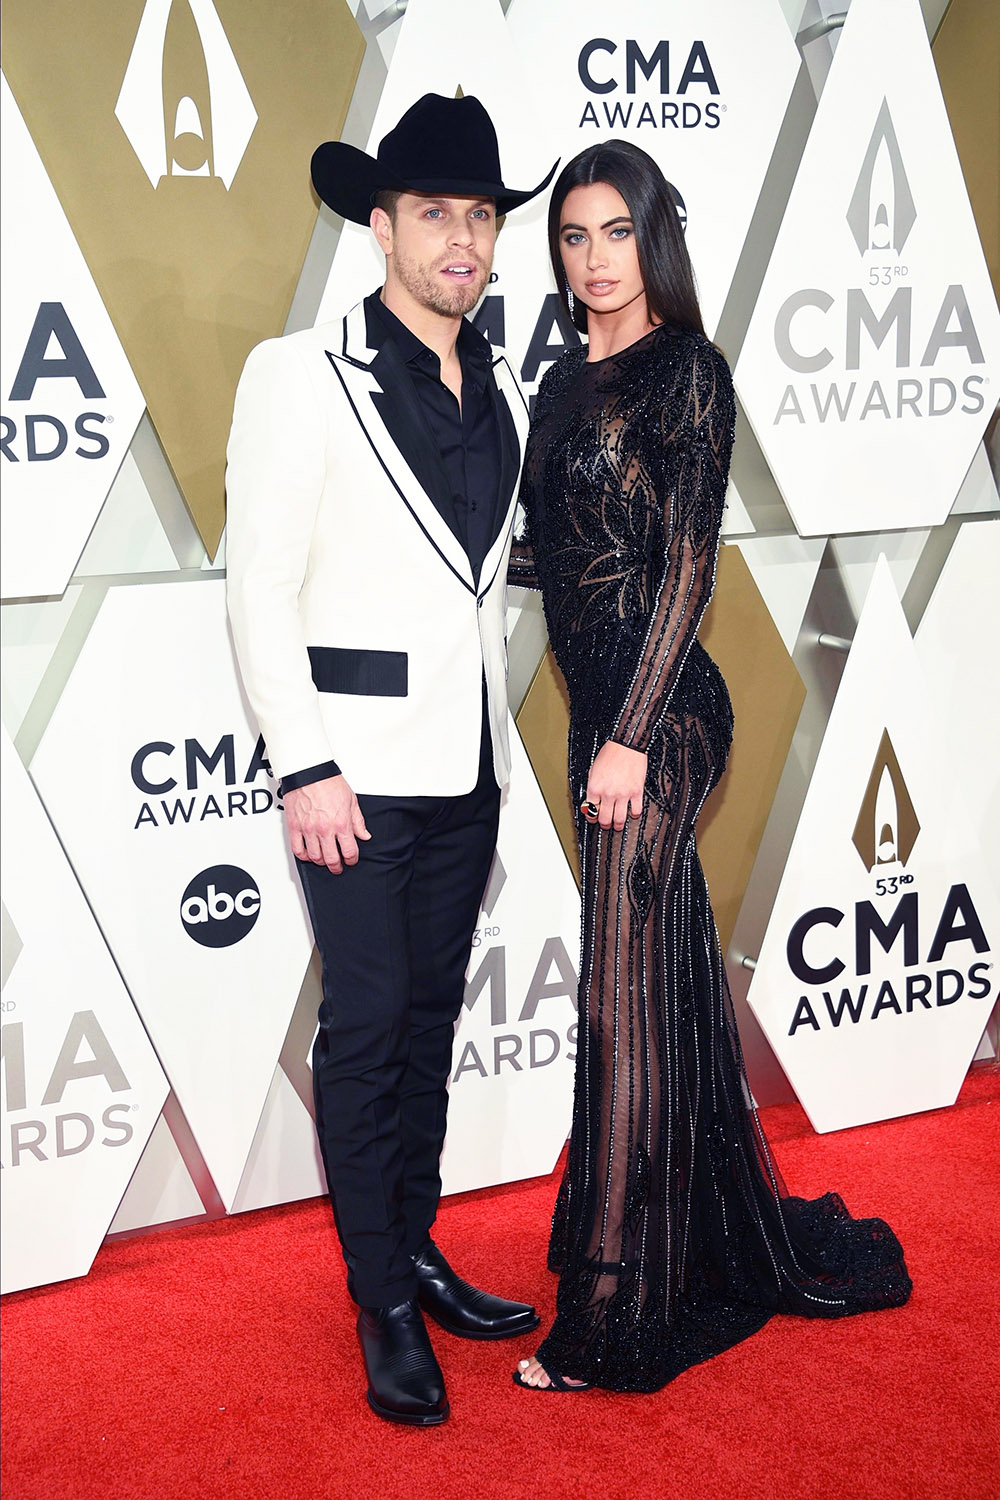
664,263
387,199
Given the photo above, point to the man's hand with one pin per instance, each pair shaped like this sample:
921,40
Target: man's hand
616,784
324,823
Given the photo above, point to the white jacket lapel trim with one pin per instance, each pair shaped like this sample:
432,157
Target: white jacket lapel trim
359,382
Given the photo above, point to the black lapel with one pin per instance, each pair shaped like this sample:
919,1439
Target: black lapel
399,407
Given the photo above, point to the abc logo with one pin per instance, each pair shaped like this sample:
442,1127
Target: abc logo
220,906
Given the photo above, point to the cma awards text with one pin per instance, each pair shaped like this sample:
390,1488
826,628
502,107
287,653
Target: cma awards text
54,1132
40,437
810,315
908,993
157,767
531,1047
604,65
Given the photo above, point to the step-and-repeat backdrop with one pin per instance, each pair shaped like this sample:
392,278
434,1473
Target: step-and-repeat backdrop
159,979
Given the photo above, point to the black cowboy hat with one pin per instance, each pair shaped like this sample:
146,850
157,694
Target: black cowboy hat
446,146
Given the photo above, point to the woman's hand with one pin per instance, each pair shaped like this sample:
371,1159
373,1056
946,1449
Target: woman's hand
616,783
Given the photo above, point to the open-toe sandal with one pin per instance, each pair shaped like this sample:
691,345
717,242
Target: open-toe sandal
556,1383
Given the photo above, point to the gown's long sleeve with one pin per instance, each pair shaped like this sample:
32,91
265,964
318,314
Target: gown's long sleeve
521,568
692,486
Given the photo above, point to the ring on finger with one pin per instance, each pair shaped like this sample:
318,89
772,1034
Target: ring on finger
590,810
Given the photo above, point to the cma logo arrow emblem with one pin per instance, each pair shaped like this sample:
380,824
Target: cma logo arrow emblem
183,103
887,825
881,212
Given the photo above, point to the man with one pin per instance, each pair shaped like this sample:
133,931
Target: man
373,469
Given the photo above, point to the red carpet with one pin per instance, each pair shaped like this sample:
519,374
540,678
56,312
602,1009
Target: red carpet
220,1360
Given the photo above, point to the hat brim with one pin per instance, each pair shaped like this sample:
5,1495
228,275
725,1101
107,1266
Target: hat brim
347,180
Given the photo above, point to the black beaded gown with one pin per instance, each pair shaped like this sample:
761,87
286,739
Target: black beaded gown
673,1233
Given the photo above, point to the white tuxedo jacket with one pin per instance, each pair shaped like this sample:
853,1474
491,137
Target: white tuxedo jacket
361,633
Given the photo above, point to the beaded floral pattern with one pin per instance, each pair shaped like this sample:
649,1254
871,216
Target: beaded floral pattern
673,1233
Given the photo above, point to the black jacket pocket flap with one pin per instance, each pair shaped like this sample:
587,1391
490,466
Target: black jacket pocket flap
370,674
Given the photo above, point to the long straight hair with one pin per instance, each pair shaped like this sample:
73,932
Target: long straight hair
664,262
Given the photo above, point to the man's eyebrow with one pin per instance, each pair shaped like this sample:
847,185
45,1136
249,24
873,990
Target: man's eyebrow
444,198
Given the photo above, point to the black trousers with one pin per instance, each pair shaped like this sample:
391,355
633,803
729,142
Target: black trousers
394,933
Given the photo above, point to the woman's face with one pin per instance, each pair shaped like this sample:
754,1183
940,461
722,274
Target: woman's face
597,242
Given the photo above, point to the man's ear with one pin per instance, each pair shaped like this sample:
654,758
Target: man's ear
381,227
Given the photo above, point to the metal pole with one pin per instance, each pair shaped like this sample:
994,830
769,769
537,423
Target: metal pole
821,28
834,642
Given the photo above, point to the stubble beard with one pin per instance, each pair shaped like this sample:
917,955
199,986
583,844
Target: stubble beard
448,299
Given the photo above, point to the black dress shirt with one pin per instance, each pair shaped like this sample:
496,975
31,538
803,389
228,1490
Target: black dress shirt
466,440
466,437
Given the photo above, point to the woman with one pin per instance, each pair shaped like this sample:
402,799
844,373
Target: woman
672,1232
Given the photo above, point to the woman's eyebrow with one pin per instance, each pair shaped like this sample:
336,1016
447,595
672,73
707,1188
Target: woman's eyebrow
622,219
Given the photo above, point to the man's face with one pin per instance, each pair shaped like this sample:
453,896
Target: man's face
439,250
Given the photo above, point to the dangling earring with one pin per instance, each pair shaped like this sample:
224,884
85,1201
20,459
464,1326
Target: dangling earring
570,301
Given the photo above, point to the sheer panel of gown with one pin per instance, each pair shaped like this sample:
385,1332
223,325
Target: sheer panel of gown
673,1233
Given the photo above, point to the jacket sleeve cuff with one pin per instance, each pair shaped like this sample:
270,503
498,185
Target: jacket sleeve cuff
308,776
